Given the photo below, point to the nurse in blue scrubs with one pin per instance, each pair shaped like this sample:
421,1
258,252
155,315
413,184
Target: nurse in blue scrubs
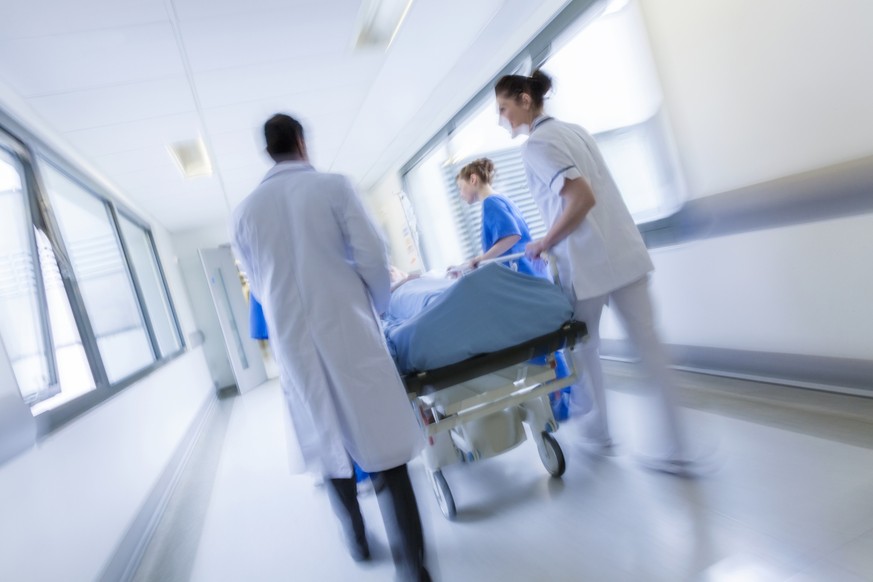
505,232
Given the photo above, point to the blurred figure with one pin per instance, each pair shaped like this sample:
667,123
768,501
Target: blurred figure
600,254
320,269
506,232
504,229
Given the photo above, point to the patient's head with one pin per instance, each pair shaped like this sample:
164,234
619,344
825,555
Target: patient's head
474,180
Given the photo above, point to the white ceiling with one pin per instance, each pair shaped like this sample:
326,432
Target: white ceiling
120,80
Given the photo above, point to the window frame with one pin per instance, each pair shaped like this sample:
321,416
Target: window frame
32,154
118,213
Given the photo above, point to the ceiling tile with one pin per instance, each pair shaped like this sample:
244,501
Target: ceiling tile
321,105
115,105
190,10
285,78
71,62
256,37
241,148
48,17
124,137
133,160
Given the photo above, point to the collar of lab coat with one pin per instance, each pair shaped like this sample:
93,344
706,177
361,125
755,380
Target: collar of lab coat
291,166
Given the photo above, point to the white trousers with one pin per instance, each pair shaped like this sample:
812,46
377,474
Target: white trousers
633,304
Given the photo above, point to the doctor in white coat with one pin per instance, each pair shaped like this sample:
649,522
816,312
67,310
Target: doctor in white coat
319,266
600,255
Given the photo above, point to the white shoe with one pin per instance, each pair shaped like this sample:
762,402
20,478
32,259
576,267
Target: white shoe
365,487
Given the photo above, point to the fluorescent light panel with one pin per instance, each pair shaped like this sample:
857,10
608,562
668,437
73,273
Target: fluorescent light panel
379,22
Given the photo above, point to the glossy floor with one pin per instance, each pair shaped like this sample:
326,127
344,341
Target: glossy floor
790,497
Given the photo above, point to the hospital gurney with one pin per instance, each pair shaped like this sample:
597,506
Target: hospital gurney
474,409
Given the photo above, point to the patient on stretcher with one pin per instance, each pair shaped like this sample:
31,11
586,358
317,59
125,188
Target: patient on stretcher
433,322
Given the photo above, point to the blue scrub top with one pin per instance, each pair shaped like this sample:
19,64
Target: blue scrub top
502,218
257,322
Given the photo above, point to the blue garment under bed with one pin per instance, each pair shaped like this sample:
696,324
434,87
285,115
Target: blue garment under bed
429,325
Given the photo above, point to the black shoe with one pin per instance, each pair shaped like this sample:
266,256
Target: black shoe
359,549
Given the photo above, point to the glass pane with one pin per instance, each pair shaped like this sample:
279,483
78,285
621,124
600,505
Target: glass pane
223,300
74,371
606,81
440,224
100,270
21,323
141,253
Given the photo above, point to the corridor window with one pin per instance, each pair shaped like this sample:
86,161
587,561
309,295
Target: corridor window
605,80
36,321
107,290
148,274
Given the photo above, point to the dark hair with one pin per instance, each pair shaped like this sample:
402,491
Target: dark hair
282,133
537,85
483,167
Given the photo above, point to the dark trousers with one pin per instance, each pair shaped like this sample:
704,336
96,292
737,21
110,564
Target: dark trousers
399,512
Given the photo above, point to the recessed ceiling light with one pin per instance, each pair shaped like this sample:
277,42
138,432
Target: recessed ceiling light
191,158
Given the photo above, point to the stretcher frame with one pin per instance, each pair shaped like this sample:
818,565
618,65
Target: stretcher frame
450,399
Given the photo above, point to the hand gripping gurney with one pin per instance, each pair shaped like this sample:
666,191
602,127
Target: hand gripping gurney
474,409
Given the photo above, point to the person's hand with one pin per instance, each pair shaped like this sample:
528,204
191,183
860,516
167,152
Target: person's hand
454,272
535,248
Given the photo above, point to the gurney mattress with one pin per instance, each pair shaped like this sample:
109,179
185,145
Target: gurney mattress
488,310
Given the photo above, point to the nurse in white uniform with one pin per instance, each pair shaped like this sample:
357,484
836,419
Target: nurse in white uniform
601,257
320,268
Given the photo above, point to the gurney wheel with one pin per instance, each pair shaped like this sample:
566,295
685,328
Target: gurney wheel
552,456
443,494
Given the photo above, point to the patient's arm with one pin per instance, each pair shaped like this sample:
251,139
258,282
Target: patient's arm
399,277
400,282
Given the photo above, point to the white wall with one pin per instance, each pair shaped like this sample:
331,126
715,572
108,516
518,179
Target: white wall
758,91
798,290
185,246
67,502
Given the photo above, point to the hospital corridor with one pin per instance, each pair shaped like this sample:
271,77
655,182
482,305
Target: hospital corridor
452,290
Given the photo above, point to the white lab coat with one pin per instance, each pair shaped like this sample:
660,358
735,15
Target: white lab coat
319,266
605,252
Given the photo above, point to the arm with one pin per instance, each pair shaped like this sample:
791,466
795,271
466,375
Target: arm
497,249
578,201
368,250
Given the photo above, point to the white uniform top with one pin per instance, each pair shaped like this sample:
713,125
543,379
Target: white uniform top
605,252
318,266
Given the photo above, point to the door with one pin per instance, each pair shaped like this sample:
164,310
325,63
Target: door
233,315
